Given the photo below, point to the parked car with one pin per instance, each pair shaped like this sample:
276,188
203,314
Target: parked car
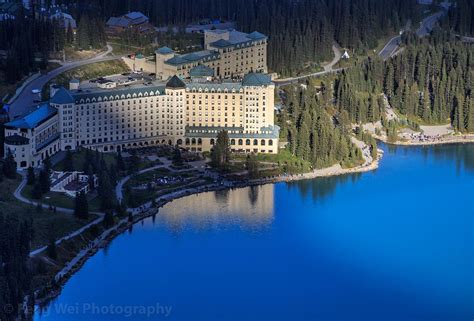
36,91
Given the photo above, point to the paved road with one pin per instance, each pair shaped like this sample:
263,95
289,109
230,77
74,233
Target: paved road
426,26
328,68
390,47
25,100
467,39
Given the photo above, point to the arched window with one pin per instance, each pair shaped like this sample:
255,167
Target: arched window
187,141
247,142
241,142
212,141
232,141
262,142
199,141
255,142
270,142
193,141
179,142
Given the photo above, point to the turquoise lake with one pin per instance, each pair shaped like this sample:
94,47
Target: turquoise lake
393,244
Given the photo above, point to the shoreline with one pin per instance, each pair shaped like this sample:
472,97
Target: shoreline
446,140
146,211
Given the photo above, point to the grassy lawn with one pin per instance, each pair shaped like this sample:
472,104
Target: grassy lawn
138,197
78,159
283,157
46,224
62,200
74,54
148,176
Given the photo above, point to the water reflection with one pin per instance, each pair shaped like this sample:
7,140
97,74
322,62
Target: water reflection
323,187
462,156
248,208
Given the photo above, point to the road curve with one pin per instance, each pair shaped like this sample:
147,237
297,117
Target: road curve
25,100
328,68
426,26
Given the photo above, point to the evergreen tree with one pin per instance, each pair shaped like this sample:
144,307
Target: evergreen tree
37,192
252,165
44,181
31,178
68,165
9,166
81,207
220,153
51,249
120,162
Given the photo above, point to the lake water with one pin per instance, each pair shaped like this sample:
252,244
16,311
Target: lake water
393,244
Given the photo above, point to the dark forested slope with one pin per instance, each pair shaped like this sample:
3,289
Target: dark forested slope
431,82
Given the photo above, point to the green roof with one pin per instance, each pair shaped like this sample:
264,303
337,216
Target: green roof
62,96
175,82
203,55
34,118
256,79
201,71
164,50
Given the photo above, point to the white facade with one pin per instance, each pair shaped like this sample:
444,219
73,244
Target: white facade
188,115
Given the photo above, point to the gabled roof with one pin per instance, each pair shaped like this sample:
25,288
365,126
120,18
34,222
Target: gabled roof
237,38
118,22
201,71
164,50
256,79
256,35
175,82
221,43
136,15
62,96
34,118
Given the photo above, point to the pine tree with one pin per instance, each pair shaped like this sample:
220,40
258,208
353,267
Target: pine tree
31,178
44,181
51,249
120,162
68,164
220,153
9,166
81,207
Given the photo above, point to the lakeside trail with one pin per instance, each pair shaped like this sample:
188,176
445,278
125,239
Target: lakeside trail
147,210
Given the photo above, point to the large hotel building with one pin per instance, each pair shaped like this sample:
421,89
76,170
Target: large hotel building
229,54
111,116
188,110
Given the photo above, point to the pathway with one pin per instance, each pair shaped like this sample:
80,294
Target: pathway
328,68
